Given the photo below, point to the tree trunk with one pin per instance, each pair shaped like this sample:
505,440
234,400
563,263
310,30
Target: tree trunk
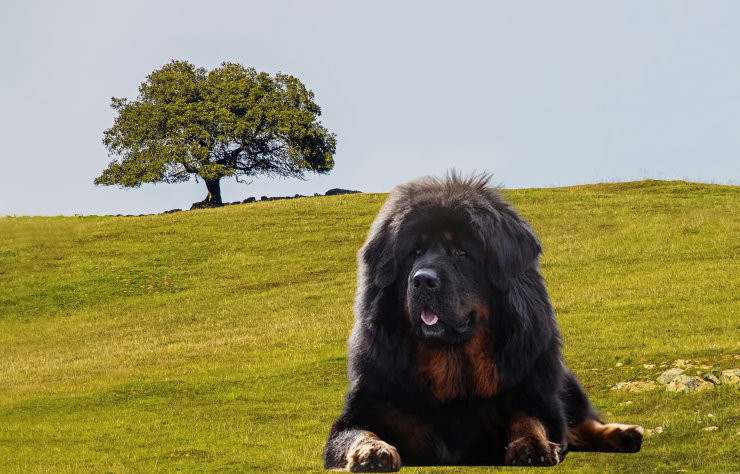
214,195
214,192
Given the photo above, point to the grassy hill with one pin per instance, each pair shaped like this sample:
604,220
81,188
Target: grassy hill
216,339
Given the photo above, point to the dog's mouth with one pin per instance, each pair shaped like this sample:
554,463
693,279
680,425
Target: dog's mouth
429,317
434,327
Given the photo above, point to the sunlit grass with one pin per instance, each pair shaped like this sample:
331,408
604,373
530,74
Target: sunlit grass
216,339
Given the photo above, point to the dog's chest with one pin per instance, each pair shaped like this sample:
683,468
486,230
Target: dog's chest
455,372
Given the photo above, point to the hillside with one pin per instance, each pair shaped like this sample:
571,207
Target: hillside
215,339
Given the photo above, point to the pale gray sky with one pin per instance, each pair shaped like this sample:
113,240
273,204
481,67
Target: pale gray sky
541,93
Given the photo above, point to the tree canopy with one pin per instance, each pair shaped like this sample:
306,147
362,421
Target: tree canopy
230,121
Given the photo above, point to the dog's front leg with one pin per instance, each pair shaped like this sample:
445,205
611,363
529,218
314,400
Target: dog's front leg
528,444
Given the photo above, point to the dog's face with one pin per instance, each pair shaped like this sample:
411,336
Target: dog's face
445,284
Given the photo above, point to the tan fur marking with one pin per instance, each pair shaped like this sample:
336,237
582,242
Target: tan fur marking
443,367
591,435
525,425
480,358
528,442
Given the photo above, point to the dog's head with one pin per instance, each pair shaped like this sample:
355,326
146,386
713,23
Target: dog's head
447,247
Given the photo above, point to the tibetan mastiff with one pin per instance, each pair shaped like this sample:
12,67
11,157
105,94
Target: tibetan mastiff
455,354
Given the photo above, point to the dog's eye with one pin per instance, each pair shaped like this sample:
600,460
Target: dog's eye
418,252
460,252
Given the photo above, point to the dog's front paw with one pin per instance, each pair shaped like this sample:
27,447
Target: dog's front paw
532,451
370,454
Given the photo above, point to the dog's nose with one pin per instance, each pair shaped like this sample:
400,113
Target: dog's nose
426,278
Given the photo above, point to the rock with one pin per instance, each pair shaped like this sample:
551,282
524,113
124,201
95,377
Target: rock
171,211
635,386
655,431
337,191
681,363
205,205
730,376
649,366
669,375
710,428
264,198
619,364
711,378
687,383
298,196
249,199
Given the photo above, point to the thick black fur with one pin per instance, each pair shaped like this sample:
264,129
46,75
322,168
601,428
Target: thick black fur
500,271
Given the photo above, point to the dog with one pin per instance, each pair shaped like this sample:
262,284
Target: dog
455,354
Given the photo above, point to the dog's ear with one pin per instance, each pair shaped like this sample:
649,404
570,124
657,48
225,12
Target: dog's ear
511,246
378,255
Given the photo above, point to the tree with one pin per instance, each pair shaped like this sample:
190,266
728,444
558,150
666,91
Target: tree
231,121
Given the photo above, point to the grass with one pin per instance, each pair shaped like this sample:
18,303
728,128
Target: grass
216,339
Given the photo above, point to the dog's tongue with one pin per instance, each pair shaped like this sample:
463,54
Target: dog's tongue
429,317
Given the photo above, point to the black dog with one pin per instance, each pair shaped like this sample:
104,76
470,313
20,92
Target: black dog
455,355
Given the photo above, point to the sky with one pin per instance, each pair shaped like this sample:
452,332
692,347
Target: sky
539,93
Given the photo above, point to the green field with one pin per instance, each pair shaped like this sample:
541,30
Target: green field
216,339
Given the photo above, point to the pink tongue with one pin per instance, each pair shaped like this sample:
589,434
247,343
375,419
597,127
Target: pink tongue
428,317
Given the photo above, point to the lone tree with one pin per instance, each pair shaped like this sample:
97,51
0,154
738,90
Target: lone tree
231,121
